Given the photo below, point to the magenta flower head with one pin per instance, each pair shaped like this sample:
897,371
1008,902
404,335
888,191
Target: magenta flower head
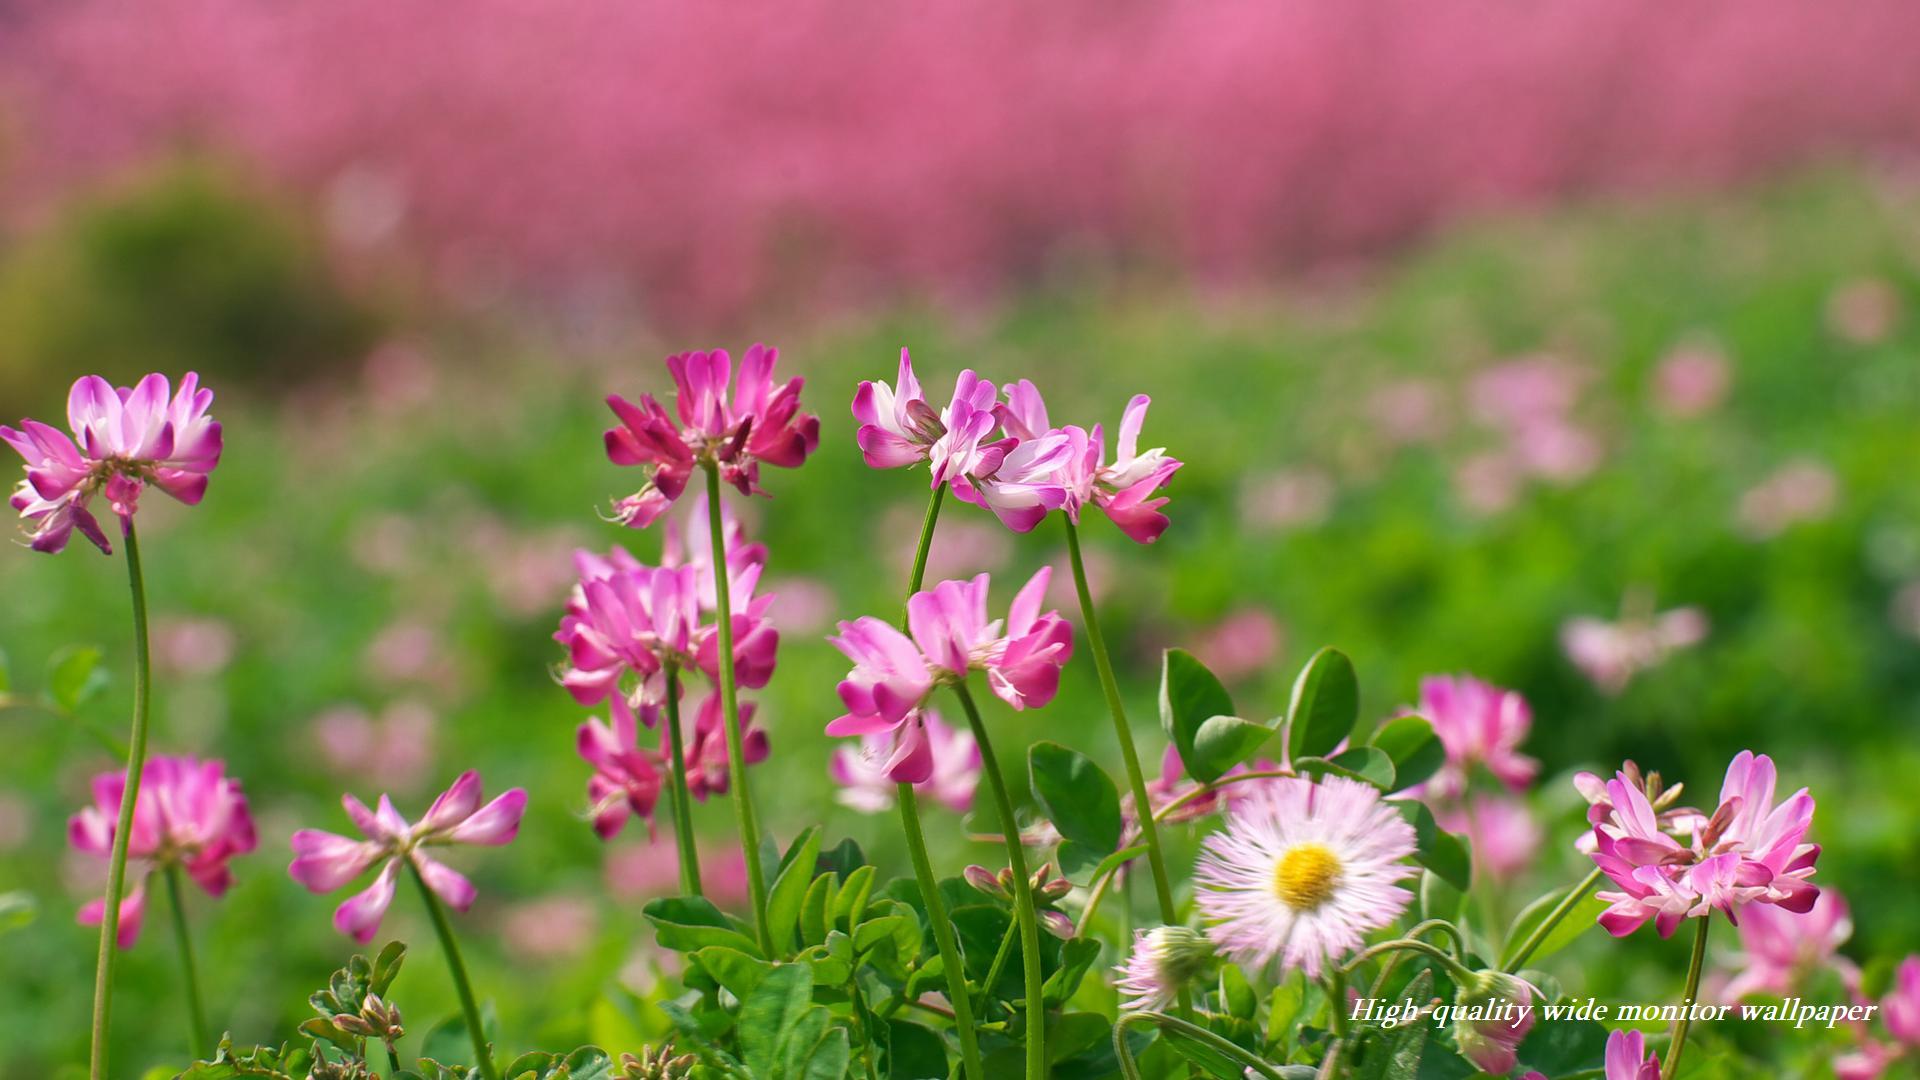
127,438
625,621
1900,1009
1124,489
864,772
894,673
706,747
1748,852
1477,724
625,778
189,813
1782,948
735,431
1627,1057
324,862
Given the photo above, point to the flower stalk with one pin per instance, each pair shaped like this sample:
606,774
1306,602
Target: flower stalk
458,968
189,974
1671,1067
1553,919
677,791
1023,911
1136,781
730,706
950,959
123,832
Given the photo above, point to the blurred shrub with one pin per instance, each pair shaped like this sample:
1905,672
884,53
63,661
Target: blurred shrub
184,268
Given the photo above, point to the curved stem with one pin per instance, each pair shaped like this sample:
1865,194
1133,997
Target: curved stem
919,573
730,705
1022,893
1552,920
950,961
1225,781
459,969
122,833
190,977
1217,1044
1671,1067
677,791
999,964
1455,969
1136,781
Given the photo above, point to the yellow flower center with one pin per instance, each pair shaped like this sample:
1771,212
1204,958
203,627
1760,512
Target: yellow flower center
1306,877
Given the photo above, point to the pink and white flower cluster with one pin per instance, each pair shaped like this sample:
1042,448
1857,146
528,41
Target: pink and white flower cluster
188,813
1749,851
123,439
734,431
324,861
954,772
1007,457
951,636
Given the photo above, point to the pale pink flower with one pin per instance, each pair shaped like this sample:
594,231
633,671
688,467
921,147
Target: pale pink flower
894,673
1488,482
1900,1009
1241,644
962,547
1302,872
649,870
1691,380
188,813
1748,852
758,422
1124,489
899,427
324,861
551,928
1610,654
127,438
185,645
1162,963
1799,491
1478,724
626,779
392,749
1628,1059
1408,412
1780,949
1863,311
1504,835
1287,499
864,772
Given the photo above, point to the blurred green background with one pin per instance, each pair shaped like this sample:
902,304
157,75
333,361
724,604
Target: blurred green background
1433,463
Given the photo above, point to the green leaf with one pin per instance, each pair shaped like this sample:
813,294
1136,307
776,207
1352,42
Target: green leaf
1075,1032
1203,1056
686,923
1438,899
6,673
1415,750
1362,763
1225,741
1435,848
1579,919
448,1041
1189,697
1237,994
842,858
1563,1046
74,677
830,1057
386,967
739,973
278,1063
1326,702
816,911
850,900
1395,1055
913,1052
770,1015
1283,1008
790,889
1076,957
1079,798
17,909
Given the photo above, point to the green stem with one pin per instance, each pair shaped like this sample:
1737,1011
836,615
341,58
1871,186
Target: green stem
999,964
1022,894
677,791
1455,969
393,1061
1136,781
926,540
459,969
1198,1034
196,1015
730,705
130,794
1552,920
1681,1023
950,961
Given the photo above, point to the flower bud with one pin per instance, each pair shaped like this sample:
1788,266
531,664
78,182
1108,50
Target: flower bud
1163,961
656,1064
1491,1017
